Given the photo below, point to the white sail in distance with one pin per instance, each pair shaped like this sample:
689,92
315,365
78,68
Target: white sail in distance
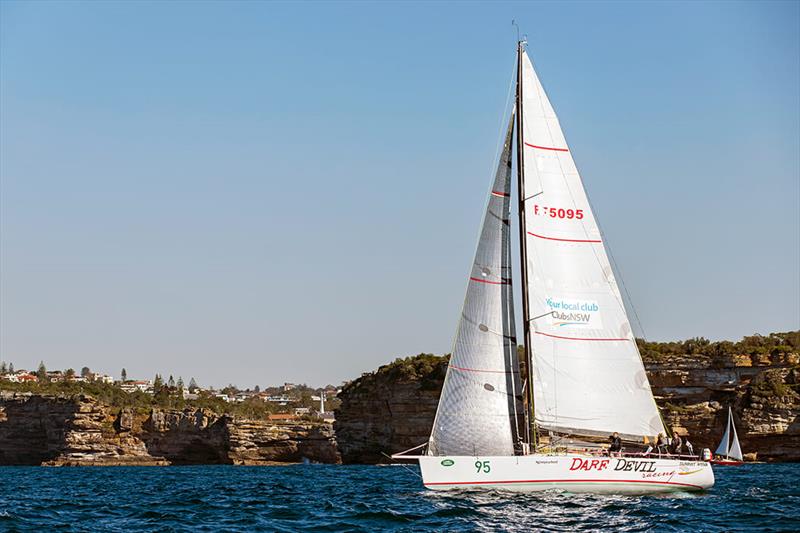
729,445
588,375
479,403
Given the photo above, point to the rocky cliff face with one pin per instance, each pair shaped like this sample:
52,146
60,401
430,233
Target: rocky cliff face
694,393
80,431
392,409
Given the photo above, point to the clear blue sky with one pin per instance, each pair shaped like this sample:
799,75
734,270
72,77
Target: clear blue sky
262,192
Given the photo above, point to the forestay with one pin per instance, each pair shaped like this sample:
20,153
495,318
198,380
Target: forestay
478,406
588,374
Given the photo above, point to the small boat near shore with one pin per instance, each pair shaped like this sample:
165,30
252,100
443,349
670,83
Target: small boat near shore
497,429
729,452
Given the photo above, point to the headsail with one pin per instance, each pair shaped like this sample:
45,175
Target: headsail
588,375
478,408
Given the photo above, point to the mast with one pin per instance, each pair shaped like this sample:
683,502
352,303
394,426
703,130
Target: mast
530,428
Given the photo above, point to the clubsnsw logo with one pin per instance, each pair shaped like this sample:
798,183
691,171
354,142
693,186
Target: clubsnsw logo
573,312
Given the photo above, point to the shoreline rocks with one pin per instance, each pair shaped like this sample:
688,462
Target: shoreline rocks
71,431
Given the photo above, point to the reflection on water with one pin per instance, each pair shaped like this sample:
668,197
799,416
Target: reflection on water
367,498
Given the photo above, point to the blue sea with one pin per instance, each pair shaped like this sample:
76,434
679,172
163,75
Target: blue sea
369,498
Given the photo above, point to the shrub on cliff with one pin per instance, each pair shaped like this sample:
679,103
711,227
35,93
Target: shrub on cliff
774,343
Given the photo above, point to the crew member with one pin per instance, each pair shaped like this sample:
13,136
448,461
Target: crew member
688,444
616,443
661,444
677,443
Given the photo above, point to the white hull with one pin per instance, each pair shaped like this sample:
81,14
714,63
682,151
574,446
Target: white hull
569,472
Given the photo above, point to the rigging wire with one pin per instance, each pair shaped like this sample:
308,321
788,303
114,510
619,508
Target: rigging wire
502,127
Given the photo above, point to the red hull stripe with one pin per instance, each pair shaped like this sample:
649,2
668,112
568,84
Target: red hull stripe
479,370
562,240
501,194
564,481
547,148
479,280
577,338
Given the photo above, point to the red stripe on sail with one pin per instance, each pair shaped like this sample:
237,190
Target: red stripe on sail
479,370
562,240
547,148
578,338
500,194
563,481
479,280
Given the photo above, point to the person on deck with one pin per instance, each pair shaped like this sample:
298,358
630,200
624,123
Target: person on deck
616,443
650,446
661,444
688,444
677,444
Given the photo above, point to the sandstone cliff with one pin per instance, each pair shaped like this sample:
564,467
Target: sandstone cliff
389,410
53,430
392,409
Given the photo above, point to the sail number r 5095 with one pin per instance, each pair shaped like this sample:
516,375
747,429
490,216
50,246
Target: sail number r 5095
557,212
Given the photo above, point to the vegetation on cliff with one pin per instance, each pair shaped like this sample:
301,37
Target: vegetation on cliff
165,398
753,345
427,368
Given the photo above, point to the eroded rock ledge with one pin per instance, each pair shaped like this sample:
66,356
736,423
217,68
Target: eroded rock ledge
54,430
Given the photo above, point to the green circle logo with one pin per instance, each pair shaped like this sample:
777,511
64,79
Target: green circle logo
448,462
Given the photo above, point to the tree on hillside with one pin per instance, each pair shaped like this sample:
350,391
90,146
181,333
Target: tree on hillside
10,368
171,382
41,373
124,375
3,367
179,384
69,374
85,371
193,385
157,383
256,389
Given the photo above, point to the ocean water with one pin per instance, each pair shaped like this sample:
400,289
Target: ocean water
369,498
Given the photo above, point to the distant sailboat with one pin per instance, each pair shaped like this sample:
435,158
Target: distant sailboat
586,376
729,452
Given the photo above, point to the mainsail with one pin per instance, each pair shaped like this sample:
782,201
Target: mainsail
480,400
588,375
729,446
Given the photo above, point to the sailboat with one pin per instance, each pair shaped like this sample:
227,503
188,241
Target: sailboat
497,429
728,453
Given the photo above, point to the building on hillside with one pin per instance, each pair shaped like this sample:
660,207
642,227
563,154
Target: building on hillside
289,386
328,417
299,411
280,400
283,417
102,378
23,377
140,385
55,375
